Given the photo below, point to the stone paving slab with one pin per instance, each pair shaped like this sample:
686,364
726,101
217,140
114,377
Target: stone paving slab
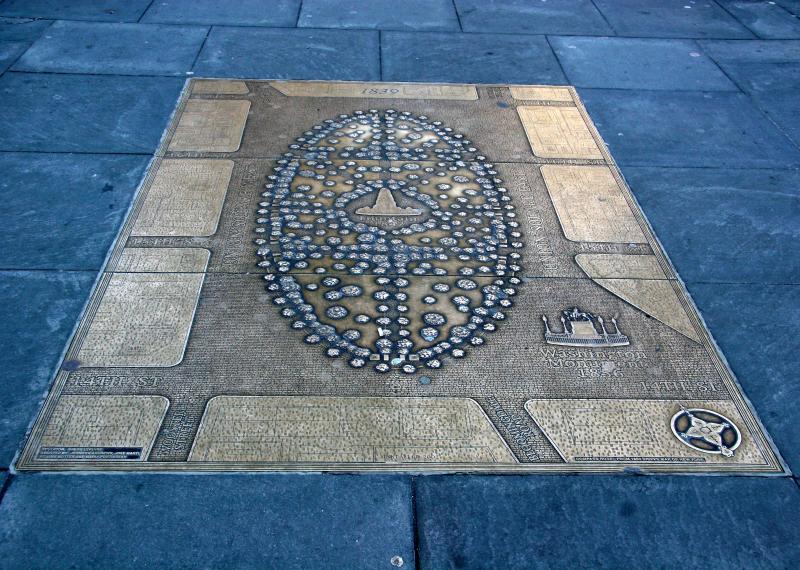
21,29
114,49
767,369
724,225
9,52
767,70
84,113
290,54
469,58
75,201
767,20
279,13
607,522
626,63
671,19
568,17
166,521
102,10
688,129
39,310
412,15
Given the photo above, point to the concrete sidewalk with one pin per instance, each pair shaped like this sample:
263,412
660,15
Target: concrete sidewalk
698,102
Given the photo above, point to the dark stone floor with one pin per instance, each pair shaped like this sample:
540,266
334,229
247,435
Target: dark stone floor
699,101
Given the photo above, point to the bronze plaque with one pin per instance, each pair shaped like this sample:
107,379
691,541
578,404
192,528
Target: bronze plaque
390,277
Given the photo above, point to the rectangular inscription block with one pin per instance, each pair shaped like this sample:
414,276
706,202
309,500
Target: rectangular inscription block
220,87
103,428
619,266
590,204
185,198
361,430
210,126
163,260
144,318
541,94
558,132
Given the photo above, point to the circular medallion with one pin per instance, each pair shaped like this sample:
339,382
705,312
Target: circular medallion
706,431
387,238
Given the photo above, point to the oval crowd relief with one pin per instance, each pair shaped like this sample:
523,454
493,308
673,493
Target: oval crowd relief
388,240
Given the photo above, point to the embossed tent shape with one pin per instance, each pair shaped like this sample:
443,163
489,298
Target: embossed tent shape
387,277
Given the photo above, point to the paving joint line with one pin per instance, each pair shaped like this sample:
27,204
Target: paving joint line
737,20
51,270
81,152
415,523
458,16
558,60
795,166
199,51
748,283
6,485
127,22
691,167
380,55
299,12
177,75
652,90
792,12
139,21
605,19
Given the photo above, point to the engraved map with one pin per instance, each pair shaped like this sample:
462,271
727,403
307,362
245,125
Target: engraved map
339,276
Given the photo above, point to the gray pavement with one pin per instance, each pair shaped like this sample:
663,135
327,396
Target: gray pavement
698,101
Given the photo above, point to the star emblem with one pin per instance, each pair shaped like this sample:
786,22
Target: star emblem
710,432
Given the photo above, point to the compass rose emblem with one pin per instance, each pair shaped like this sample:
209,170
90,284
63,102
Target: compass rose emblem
706,431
